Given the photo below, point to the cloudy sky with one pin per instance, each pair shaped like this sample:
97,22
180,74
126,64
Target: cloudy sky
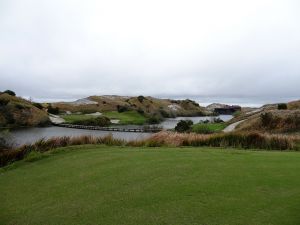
66,49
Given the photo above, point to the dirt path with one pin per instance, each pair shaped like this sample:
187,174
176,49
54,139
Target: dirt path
232,127
56,119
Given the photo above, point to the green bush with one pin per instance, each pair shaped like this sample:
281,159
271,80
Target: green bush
154,119
53,110
164,113
122,108
184,125
3,102
10,92
141,98
282,106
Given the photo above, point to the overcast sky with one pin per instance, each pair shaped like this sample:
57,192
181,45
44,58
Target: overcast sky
64,49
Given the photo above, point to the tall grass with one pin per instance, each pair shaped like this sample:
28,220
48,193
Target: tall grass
244,140
44,145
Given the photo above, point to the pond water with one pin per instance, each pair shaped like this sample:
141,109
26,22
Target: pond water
30,135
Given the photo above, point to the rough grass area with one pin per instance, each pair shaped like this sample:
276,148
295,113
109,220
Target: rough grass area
129,117
120,185
208,128
273,121
18,112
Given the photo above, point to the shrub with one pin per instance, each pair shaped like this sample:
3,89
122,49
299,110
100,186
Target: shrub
38,105
164,113
282,106
122,108
53,110
141,98
154,119
10,92
184,126
218,120
4,102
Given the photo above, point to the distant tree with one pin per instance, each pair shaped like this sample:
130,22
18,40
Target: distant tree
10,92
153,120
122,108
282,106
53,110
184,125
141,98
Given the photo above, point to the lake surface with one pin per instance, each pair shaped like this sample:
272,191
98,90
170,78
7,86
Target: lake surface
30,135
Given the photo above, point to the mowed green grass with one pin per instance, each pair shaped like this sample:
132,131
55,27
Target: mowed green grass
128,117
208,127
122,185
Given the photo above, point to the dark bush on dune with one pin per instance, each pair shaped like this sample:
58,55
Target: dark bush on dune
154,120
141,98
10,92
122,108
282,106
53,110
184,126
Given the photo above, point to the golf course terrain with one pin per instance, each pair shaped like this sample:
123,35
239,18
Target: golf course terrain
96,184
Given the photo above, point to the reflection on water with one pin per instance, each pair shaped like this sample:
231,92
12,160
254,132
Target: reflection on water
30,135
171,123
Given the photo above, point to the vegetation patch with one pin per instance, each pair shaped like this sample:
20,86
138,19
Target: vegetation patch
128,117
178,186
244,140
208,128
18,112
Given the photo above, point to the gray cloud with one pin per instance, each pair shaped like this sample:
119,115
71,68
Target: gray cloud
70,49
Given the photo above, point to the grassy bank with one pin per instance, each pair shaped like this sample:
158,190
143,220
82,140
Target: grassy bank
208,128
125,118
121,185
129,117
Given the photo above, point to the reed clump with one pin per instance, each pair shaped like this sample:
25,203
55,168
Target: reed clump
245,140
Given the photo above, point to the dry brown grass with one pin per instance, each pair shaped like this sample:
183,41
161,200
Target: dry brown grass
273,121
245,140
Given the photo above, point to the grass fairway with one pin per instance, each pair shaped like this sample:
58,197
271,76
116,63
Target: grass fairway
129,117
115,185
207,128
